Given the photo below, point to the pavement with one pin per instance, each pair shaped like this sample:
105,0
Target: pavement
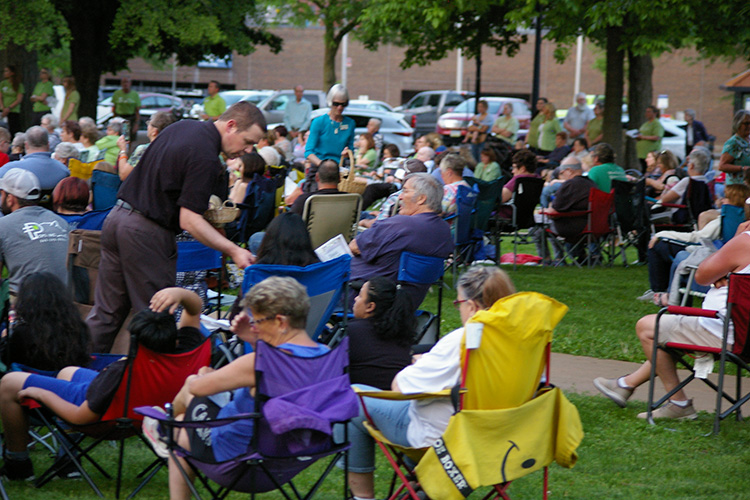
577,373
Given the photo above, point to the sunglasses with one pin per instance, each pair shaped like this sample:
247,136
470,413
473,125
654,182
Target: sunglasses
342,104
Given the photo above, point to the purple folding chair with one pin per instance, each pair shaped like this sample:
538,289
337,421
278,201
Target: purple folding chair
297,402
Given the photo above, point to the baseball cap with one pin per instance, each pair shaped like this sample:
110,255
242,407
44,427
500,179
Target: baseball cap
21,183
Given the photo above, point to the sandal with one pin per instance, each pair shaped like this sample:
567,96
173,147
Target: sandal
661,299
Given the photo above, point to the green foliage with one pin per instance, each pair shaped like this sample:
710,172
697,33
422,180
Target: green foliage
33,24
430,29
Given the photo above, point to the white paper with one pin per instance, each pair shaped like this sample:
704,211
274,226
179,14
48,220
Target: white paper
473,335
632,133
289,186
335,247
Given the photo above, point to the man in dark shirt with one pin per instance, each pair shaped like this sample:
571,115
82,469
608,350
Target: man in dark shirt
168,192
327,178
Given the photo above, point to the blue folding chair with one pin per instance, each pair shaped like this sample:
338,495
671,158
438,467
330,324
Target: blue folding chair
104,187
325,283
415,270
195,256
92,220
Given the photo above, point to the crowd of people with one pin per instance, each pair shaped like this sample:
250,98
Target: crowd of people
408,207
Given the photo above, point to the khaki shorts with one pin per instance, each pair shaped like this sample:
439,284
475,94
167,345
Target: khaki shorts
686,330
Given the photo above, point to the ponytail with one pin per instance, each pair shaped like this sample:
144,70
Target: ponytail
393,317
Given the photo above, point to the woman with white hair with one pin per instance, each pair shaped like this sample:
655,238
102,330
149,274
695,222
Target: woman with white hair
331,134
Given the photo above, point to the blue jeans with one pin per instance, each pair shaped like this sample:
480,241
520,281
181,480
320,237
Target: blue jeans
390,417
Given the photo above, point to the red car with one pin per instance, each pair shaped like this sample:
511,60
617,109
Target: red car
452,126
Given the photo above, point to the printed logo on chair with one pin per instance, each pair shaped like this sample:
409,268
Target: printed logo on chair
451,469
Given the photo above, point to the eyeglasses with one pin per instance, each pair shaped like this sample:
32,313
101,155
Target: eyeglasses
255,322
342,104
457,303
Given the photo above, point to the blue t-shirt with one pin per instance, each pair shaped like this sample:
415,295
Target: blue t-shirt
328,138
232,440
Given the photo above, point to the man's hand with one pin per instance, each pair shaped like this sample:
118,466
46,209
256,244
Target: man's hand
652,242
242,258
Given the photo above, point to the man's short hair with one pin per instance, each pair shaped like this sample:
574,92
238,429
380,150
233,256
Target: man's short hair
690,112
161,120
245,114
571,162
86,120
66,150
603,152
425,184
215,82
562,135
37,137
525,159
73,128
700,158
328,172
90,132
53,121
377,121
454,162
5,134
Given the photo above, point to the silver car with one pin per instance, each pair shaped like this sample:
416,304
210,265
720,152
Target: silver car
393,126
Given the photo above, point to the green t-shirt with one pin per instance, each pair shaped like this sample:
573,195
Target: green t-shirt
549,130
10,95
125,104
75,98
487,172
372,156
603,175
533,136
109,143
595,127
39,89
643,147
214,106
511,125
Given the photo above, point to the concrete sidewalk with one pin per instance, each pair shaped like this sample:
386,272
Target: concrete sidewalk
577,373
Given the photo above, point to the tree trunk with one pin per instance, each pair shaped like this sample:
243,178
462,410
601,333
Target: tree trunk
613,91
640,95
329,57
26,64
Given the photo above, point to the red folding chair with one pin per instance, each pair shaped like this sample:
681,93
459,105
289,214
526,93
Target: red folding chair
738,316
149,379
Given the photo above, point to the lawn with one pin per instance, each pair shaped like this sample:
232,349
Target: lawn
621,457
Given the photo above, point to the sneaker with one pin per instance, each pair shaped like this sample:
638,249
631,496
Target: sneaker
647,296
610,388
156,440
18,470
672,411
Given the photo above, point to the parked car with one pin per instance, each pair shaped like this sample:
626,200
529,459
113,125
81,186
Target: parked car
452,126
232,96
393,126
273,106
368,104
150,104
422,110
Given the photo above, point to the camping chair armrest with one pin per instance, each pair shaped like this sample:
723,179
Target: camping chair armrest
149,411
400,396
673,205
563,215
679,242
692,311
30,403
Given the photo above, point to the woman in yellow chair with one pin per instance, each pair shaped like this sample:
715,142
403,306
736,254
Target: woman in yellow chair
420,423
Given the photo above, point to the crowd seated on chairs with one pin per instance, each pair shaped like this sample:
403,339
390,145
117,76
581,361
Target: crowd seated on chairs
420,423
80,395
697,164
524,165
733,257
275,311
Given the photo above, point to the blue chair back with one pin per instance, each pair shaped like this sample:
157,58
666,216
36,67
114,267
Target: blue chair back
104,187
466,200
325,283
415,270
731,218
195,256
90,220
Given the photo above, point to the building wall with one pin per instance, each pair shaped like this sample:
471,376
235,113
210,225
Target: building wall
379,76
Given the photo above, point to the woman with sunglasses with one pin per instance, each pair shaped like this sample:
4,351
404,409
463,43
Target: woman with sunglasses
275,311
735,156
331,134
420,423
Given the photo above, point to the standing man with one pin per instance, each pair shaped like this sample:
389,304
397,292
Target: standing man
126,103
214,105
578,116
297,113
695,132
166,194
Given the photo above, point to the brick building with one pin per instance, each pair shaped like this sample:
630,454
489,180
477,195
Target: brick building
688,84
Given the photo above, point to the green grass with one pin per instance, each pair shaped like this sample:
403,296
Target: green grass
621,457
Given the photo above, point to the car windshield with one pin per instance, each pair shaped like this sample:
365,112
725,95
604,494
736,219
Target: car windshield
468,107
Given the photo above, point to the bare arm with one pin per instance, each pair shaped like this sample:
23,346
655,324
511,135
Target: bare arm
171,298
78,415
238,373
507,195
18,100
202,231
67,112
726,164
732,257
670,197
354,247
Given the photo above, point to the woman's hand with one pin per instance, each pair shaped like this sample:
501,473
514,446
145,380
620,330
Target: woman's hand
241,327
31,393
122,143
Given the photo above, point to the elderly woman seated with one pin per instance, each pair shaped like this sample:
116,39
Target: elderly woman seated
275,311
420,423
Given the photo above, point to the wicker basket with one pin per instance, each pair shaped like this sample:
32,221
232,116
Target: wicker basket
350,184
227,212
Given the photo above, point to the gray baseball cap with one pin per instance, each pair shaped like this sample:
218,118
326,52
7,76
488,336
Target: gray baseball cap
21,183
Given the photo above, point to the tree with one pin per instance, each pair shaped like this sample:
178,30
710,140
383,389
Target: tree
430,29
104,35
338,17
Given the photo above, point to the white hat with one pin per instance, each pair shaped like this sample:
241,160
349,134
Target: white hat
21,183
